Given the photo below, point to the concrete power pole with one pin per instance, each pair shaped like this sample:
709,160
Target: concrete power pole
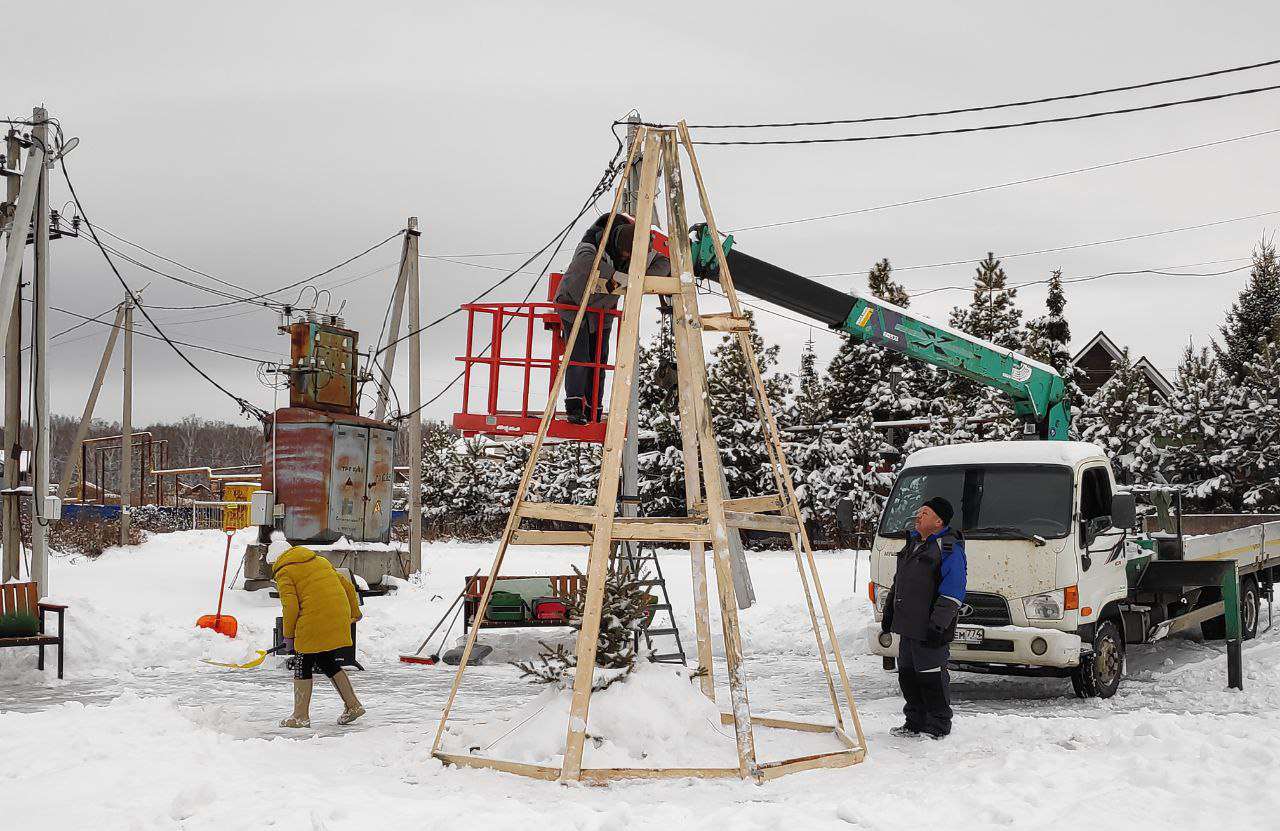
415,401
12,527
630,482
39,367
126,424
397,313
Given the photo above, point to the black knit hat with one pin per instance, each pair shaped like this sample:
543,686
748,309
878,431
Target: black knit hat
941,507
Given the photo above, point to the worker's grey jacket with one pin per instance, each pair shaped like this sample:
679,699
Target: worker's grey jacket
928,586
574,282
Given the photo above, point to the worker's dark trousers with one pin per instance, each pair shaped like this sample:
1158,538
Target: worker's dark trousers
584,382
926,686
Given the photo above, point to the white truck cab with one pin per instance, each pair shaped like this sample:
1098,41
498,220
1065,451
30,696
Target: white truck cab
1046,562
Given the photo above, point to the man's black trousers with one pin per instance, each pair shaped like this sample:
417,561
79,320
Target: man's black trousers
926,686
584,382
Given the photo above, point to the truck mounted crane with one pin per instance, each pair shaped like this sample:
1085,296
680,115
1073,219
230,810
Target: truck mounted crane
1037,390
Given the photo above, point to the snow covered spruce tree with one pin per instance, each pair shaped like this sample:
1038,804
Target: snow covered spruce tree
734,414
625,612
661,462
1119,419
864,377
1194,434
1254,319
437,473
993,315
1049,340
1253,447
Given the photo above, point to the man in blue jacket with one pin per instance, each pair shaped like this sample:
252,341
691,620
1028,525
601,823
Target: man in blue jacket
928,591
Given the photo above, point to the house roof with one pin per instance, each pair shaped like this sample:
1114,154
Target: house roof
1154,376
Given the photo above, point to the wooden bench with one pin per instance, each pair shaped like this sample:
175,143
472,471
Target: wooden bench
24,597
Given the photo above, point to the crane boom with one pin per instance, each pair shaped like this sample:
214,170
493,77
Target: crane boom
1037,390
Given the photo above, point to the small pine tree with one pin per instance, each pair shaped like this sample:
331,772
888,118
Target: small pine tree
808,405
735,417
626,610
992,314
1254,319
1049,340
661,462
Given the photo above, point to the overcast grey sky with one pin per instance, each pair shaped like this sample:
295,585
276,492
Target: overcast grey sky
262,142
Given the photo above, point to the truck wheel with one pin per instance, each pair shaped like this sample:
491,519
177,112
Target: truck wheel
1249,601
1099,675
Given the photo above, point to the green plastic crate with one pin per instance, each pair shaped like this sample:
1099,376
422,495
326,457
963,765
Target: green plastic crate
505,607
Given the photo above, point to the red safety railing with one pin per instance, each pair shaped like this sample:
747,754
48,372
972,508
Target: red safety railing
508,352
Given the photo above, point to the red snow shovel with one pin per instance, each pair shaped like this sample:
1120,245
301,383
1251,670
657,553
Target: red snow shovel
223,624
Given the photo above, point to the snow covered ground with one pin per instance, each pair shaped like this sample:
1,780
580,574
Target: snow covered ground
143,735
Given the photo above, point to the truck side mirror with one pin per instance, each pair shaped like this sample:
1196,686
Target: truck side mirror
1124,510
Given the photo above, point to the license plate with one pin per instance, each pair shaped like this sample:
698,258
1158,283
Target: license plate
969,634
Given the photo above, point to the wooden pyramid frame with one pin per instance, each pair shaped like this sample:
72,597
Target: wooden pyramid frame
711,514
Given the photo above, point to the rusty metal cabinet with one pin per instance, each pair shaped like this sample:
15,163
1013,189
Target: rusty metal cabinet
332,473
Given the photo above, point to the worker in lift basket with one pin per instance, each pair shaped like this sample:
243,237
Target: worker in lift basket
319,607
928,591
583,385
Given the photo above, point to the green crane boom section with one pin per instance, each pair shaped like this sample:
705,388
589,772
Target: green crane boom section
1037,390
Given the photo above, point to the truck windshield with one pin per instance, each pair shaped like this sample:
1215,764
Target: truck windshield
1006,501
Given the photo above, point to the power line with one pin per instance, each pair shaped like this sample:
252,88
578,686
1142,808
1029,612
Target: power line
86,320
1071,247
984,108
260,299
612,169
244,405
606,181
989,127
1091,277
1013,183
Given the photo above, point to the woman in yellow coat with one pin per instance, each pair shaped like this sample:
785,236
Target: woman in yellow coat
320,605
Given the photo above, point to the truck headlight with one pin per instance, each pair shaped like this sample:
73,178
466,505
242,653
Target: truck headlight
882,597
1047,606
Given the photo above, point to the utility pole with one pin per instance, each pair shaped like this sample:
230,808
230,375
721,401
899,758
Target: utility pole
40,369
397,311
126,423
86,419
9,503
630,499
415,400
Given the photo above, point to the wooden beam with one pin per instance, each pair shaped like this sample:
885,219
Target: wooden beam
654,284
513,519
782,472
689,349
481,763
838,759
761,522
603,776
689,403
651,529
559,511
523,536
725,322
755,504
622,388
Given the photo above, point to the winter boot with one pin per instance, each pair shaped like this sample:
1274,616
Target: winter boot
935,688
353,710
575,409
904,731
301,704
